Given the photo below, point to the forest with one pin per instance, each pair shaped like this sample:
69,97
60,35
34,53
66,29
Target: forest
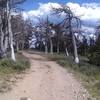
63,41
63,36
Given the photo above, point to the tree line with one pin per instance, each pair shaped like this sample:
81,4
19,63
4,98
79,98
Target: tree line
60,36
64,36
14,30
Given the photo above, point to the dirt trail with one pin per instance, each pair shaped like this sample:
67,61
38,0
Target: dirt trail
46,81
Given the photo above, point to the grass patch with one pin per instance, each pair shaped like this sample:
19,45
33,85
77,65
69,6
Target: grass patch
90,74
9,68
20,65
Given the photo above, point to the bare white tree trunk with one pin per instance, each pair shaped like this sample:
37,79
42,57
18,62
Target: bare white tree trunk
66,51
75,49
51,46
10,32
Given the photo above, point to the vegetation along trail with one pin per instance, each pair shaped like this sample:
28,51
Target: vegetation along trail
46,80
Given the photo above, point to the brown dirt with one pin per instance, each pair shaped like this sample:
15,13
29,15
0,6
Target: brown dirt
46,80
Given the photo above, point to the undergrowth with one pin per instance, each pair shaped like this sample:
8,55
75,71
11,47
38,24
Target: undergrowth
9,68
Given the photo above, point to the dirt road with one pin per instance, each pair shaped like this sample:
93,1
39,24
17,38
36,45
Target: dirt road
46,81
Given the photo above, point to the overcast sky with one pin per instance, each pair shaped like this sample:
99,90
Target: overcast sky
89,10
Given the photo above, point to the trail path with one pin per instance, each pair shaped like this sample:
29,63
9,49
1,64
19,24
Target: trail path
46,80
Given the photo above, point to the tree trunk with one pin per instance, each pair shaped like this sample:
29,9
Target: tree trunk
5,45
51,46
74,41
75,49
66,51
10,32
2,38
17,46
58,48
22,45
46,48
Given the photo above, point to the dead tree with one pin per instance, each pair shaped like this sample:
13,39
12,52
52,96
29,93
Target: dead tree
69,18
10,5
6,37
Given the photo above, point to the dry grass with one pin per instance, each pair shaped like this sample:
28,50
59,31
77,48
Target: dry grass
9,69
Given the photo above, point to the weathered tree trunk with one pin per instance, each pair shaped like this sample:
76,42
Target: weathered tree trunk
2,38
5,46
51,46
1,33
6,40
75,49
10,31
17,46
67,54
22,45
58,51
46,48
73,41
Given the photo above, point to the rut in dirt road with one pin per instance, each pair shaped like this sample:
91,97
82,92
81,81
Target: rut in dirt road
46,80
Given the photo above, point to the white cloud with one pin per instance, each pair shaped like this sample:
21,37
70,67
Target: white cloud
87,11
42,11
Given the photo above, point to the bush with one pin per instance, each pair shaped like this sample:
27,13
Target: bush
21,64
94,58
9,69
94,52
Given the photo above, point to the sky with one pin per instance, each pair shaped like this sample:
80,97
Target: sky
88,10
33,4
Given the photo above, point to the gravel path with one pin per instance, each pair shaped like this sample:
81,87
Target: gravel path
46,81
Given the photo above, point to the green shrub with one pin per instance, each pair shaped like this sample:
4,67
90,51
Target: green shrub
21,64
9,68
94,58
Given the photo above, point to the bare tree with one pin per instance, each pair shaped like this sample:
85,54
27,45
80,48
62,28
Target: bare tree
69,19
10,30
44,29
11,4
6,37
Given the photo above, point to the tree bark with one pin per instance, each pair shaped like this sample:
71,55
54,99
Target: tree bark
5,45
2,34
10,31
22,45
46,48
66,51
75,49
58,48
51,46
2,38
17,46
73,41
